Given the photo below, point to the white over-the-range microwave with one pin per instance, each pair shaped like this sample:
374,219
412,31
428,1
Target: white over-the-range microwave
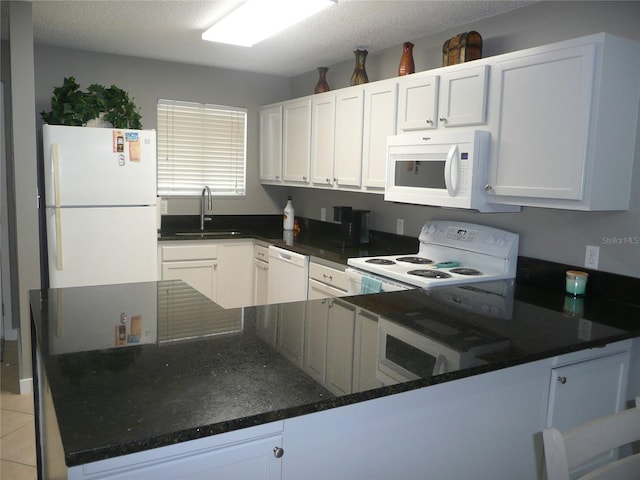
443,169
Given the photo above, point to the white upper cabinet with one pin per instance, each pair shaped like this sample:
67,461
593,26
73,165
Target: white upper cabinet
296,122
323,114
271,144
453,98
380,106
566,124
348,137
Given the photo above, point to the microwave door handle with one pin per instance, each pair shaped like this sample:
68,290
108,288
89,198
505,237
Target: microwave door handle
452,157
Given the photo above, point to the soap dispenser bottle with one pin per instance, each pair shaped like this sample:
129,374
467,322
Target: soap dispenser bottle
289,214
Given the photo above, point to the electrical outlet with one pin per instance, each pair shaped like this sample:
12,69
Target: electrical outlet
400,226
591,257
323,214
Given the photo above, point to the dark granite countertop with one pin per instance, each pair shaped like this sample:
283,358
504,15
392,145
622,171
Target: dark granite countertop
316,238
138,366
184,368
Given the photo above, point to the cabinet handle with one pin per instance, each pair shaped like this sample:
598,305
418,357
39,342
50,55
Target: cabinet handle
324,275
562,380
335,179
278,452
304,178
429,121
488,187
328,180
443,119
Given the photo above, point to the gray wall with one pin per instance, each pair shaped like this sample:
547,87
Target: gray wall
556,235
148,80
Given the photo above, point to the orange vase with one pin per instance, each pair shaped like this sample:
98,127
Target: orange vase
406,61
322,85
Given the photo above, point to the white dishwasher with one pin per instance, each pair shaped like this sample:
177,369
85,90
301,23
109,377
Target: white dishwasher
288,276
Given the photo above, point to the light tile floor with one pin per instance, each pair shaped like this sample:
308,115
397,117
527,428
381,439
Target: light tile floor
17,425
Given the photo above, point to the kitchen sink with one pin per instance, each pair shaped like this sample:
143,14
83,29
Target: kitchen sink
217,233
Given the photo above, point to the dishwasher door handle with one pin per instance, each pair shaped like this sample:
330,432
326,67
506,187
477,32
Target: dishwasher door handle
284,256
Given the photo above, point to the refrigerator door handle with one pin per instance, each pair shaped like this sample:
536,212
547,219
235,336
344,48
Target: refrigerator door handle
58,214
57,210
56,174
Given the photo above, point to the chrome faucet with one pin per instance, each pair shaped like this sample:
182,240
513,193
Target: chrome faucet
205,191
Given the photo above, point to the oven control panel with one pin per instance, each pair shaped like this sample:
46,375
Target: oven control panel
472,237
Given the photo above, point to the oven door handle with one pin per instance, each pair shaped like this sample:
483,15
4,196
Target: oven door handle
452,158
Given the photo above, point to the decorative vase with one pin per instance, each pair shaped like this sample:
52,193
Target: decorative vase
322,85
406,61
359,74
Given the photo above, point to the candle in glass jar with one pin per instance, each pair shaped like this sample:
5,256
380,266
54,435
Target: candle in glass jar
576,282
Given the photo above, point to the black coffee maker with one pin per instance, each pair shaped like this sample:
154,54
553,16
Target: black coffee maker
354,226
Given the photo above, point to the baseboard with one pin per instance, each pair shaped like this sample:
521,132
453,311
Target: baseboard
26,385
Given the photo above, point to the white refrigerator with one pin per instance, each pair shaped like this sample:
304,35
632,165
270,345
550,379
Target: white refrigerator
100,191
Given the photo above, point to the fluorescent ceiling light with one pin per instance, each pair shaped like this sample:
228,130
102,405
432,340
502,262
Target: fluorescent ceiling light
255,20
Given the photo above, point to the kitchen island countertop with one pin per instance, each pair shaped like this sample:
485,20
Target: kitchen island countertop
139,366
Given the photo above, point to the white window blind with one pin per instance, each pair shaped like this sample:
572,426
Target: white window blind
201,144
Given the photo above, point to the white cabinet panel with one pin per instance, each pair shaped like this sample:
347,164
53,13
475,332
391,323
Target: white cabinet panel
323,110
297,141
348,137
271,144
544,117
463,97
380,109
418,103
567,121
200,274
452,97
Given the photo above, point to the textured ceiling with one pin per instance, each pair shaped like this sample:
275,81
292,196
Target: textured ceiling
171,30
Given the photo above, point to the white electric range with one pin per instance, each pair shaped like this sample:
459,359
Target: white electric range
450,253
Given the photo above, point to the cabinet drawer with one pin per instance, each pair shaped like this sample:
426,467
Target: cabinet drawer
189,252
328,275
261,253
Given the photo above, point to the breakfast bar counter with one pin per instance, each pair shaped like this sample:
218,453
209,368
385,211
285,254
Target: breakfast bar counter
123,371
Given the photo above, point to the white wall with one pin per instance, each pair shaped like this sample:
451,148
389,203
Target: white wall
555,235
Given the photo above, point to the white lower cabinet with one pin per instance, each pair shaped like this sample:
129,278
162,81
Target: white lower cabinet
253,453
585,390
221,270
194,263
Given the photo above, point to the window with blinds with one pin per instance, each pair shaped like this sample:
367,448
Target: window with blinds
201,145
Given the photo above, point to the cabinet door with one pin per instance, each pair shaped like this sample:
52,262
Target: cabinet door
271,144
340,334
365,355
236,260
544,107
380,105
348,133
418,103
315,351
261,279
253,459
200,274
291,325
463,97
323,110
297,141
586,390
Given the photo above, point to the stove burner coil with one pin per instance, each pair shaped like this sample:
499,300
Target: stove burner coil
380,261
416,260
466,271
429,273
